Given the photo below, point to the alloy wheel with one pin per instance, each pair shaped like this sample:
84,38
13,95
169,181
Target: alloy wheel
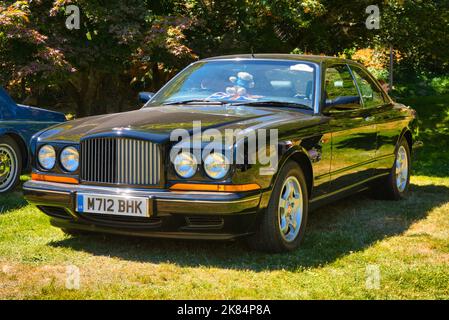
402,168
8,166
290,209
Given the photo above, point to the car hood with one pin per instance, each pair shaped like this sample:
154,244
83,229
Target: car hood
156,123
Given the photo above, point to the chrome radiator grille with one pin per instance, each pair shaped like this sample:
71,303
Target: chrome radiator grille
120,161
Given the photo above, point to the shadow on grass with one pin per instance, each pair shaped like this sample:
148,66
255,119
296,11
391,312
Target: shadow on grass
11,201
334,231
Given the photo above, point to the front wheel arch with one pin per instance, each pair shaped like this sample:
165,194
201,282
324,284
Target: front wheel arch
300,157
268,231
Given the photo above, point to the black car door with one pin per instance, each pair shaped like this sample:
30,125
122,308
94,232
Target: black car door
353,129
389,121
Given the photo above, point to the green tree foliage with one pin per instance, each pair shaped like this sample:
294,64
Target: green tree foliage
419,29
126,46
25,51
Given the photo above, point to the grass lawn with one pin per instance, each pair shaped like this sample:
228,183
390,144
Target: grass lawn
347,243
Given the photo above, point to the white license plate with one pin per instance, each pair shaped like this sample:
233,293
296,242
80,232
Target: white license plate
112,205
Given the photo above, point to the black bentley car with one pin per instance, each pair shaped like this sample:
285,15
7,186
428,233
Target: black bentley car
337,132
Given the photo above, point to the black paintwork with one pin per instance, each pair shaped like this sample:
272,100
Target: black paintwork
340,151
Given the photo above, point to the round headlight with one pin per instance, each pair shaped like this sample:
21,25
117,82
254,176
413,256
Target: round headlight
185,164
70,159
47,157
216,166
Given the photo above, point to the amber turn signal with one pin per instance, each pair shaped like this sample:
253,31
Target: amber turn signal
215,187
50,178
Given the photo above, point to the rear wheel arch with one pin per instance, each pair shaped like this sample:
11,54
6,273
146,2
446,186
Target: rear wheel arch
387,187
407,135
12,168
22,146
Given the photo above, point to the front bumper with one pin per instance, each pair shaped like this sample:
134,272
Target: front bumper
200,215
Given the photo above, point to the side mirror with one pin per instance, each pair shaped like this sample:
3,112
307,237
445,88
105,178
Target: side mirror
144,97
345,103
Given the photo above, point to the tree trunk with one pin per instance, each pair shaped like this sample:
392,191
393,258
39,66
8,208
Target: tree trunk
76,89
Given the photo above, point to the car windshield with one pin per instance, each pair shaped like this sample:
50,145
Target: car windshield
264,82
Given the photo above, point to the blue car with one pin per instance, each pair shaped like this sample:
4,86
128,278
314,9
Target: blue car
18,123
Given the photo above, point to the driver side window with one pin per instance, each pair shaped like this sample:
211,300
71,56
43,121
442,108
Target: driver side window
340,89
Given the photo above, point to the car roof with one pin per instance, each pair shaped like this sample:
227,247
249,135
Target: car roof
277,56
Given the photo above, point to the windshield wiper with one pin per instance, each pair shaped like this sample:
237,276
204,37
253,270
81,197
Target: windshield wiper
195,101
273,103
247,103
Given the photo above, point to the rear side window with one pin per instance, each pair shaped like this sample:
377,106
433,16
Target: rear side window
340,89
372,96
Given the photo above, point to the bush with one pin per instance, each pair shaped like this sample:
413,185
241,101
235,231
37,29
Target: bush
420,85
440,84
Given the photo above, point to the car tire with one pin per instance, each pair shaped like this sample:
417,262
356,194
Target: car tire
276,231
396,185
10,164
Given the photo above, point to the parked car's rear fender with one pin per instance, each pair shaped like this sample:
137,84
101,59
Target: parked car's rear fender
17,137
38,113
